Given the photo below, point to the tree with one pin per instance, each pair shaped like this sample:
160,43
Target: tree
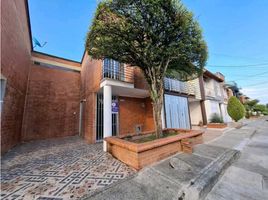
159,36
251,103
235,109
259,107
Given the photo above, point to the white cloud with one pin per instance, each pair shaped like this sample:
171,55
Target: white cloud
257,92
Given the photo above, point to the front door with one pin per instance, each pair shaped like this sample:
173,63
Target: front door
177,112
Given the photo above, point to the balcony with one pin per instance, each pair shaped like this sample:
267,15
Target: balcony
114,70
121,78
212,93
179,86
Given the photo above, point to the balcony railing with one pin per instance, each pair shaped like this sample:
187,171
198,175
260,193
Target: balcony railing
112,69
211,93
179,86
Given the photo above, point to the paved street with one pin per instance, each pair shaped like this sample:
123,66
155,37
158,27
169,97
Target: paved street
64,168
247,178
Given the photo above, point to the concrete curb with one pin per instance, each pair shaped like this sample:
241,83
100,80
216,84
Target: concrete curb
199,187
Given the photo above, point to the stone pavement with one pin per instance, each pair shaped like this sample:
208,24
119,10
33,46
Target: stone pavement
192,176
247,178
64,168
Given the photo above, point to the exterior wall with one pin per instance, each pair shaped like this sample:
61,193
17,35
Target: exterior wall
195,112
52,105
132,112
139,80
91,72
196,87
211,108
225,116
15,62
213,89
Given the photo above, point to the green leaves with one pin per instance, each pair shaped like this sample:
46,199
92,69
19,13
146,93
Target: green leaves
235,109
160,34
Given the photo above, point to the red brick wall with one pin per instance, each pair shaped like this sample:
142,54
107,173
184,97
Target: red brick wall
149,118
132,112
52,104
15,62
139,80
90,84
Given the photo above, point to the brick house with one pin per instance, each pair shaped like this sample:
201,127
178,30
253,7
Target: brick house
44,96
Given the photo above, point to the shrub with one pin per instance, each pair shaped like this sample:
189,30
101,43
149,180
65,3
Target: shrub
216,118
235,109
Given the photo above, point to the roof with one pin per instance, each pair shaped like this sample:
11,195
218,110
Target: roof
218,76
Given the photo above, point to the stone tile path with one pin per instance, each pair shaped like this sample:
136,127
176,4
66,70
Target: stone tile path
65,168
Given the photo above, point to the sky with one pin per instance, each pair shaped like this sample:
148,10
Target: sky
236,32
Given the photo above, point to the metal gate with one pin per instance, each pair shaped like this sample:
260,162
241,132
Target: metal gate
177,112
99,118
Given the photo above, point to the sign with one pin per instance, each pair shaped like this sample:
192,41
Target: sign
115,107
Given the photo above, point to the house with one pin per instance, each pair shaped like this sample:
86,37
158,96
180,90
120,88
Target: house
216,95
115,100
45,96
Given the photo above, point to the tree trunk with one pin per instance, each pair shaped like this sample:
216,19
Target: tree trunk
157,110
155,80
156,93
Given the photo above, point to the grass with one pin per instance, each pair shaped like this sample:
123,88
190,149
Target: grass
153,137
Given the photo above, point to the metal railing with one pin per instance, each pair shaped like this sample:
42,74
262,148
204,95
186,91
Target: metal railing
114,70
179,86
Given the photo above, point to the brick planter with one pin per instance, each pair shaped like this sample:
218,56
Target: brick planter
139,155
216,125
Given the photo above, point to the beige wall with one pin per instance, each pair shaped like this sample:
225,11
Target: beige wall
195,112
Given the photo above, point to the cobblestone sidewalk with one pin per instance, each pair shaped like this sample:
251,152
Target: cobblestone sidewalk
65,168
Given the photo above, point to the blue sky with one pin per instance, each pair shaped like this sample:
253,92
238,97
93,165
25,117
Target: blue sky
236,32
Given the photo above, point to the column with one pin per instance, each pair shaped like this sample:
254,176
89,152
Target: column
107,113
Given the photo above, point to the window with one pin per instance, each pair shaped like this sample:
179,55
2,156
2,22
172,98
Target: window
113,69
3,89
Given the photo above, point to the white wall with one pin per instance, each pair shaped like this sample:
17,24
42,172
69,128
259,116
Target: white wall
195,112
212,107
226,117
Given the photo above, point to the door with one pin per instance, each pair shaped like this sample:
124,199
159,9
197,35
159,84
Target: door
99,118
177,112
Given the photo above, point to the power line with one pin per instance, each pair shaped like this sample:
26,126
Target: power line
246,65
252,76
257,84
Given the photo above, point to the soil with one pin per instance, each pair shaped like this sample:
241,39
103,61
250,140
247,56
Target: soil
150,137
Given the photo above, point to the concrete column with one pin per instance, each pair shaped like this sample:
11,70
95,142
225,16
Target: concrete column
163,117
107,113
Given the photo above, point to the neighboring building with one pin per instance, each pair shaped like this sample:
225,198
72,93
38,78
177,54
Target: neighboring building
232,85
216,95
243,98
40,94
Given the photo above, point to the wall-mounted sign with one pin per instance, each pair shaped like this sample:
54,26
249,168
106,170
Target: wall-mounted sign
115,107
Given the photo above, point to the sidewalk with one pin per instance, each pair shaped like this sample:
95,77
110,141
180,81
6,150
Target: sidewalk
192,176
247,178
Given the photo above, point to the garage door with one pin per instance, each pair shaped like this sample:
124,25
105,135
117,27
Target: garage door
177,113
